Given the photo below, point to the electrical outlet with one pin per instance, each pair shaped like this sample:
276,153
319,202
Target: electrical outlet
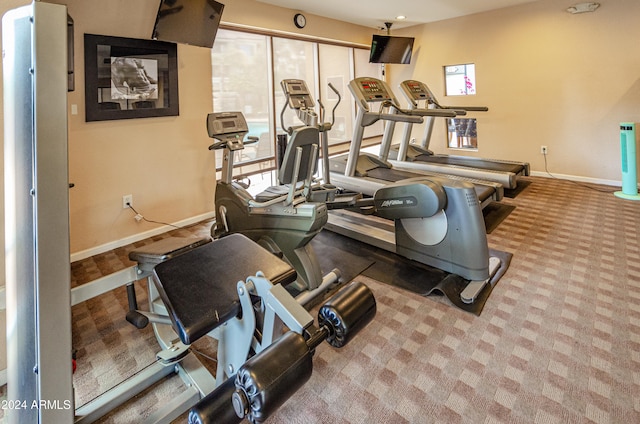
127,200
543,150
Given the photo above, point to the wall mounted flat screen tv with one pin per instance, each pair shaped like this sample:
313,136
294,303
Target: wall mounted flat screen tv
193,22
388,49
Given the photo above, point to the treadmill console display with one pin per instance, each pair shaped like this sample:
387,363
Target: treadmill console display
417,90
373,90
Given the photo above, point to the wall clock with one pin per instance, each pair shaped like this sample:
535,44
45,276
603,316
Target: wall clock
299,20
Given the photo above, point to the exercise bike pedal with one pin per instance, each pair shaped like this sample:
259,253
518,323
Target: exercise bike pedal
175,353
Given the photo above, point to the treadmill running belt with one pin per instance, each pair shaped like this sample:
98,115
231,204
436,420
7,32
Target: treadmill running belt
471,163
395,175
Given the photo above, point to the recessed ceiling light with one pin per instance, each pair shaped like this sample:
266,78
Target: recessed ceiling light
583,7
401,17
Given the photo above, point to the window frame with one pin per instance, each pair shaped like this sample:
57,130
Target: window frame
265,164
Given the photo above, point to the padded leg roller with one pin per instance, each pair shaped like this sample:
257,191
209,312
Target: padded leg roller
216,408
346,313
268,379
271,377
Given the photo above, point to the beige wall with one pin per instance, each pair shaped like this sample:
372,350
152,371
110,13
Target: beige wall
548,77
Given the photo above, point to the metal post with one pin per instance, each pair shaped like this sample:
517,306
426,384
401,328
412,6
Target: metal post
37,214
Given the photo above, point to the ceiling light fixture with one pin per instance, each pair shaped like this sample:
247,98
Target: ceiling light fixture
401,17
583,7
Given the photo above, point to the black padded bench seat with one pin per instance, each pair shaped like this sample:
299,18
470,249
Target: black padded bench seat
199,286
159,251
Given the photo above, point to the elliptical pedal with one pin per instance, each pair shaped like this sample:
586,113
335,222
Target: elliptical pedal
474,288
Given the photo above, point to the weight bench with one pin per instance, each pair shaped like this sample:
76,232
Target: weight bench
234,290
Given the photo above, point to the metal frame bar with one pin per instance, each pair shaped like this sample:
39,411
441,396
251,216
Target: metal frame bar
37,213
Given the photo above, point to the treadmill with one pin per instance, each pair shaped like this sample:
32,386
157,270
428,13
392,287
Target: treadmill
418,156
428,218
366,173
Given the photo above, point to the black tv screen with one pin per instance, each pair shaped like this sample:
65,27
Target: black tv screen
193,22
388,49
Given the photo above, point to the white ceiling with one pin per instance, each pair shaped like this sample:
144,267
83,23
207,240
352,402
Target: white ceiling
374,13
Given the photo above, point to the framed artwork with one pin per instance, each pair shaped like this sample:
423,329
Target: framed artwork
129,78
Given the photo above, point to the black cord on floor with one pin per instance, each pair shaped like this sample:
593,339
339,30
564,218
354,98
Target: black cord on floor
601,190
151,221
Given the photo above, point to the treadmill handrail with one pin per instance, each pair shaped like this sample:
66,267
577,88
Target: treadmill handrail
396,117
431,98
393,105
442,113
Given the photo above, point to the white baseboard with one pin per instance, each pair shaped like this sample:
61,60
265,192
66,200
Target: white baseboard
83,254
119,243
577,178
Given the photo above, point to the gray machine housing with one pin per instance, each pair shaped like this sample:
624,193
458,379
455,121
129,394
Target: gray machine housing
463,248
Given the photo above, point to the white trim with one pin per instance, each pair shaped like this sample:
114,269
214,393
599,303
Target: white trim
286,34
83,254
590,180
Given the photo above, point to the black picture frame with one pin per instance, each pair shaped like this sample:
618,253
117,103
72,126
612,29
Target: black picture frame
129,78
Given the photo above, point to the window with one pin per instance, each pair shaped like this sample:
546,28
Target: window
335,68
247,69
462,133
240,83
292,59
460,80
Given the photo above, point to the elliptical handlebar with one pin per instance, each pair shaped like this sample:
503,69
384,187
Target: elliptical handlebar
333,111
289,130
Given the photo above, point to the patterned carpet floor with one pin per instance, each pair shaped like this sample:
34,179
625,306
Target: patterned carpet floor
558,340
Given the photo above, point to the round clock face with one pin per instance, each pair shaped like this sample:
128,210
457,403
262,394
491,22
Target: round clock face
299,20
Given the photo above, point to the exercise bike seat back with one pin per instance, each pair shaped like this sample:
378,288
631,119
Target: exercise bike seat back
294,170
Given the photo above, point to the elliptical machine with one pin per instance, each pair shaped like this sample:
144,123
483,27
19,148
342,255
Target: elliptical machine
298,99
284,222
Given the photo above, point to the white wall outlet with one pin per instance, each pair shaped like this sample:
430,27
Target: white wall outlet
127,200
543,150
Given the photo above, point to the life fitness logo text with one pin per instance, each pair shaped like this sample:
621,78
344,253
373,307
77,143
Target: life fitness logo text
399,202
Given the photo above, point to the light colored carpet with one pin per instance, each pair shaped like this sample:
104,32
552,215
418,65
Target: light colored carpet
558,341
